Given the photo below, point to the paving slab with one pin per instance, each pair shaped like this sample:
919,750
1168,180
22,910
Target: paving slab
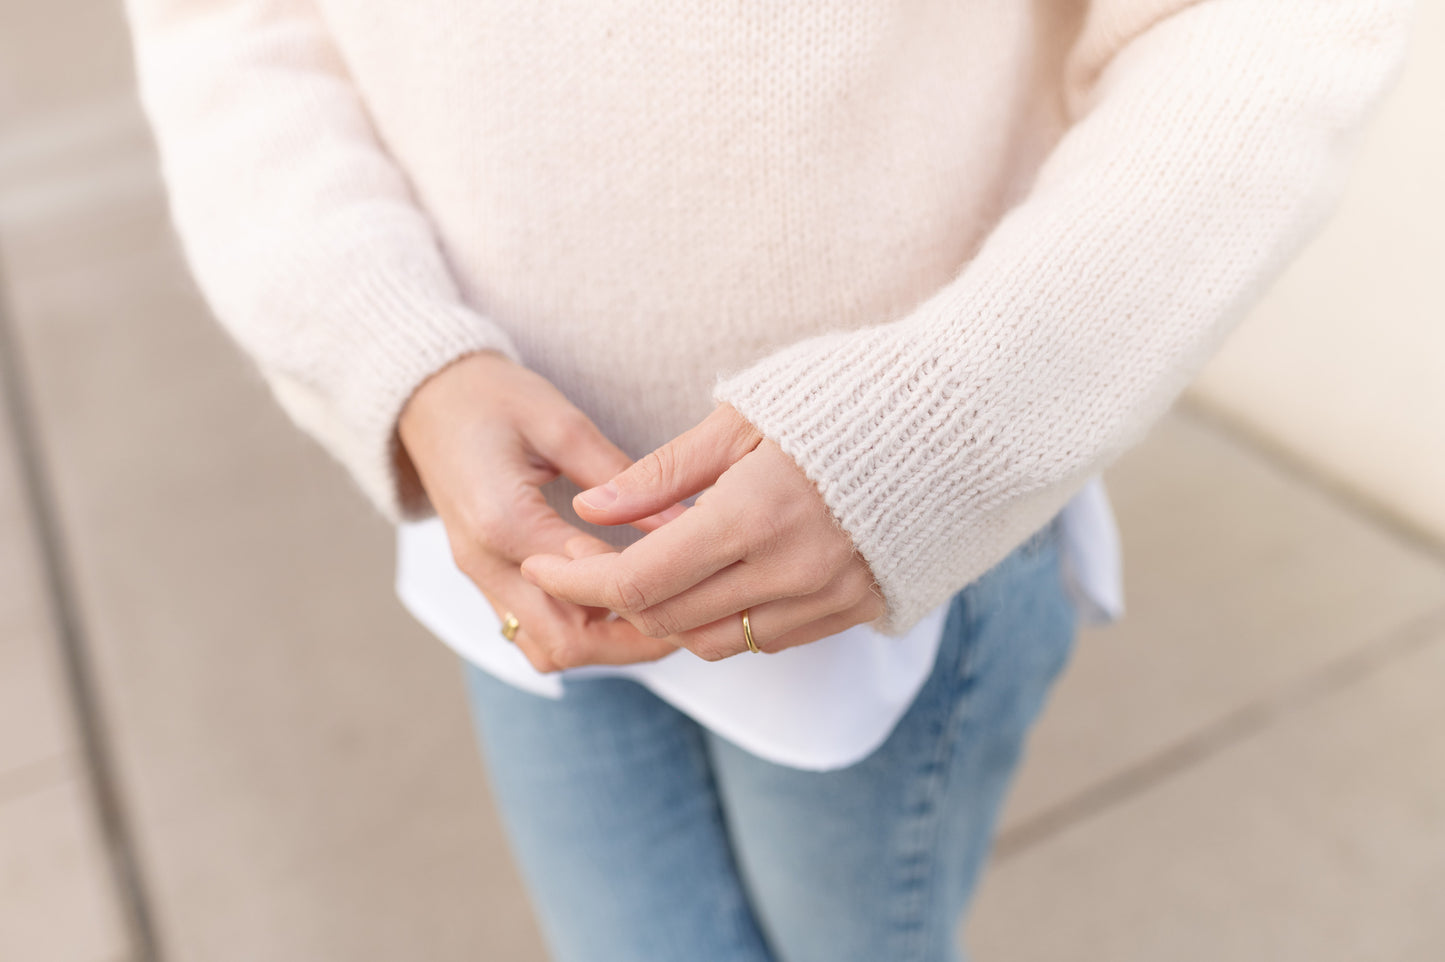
57,900
1242,578
293,749
35,727
1320,838
56,904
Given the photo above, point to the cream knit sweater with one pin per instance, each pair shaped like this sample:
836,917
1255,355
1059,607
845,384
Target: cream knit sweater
952,255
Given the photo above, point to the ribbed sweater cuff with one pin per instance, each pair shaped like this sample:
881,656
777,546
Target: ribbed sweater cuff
903,462
352,405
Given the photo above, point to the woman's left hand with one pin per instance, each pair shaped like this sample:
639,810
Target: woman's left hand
760,538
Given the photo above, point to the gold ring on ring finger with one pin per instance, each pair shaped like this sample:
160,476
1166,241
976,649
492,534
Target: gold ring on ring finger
748,634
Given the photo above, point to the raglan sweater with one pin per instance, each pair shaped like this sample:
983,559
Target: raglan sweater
953,256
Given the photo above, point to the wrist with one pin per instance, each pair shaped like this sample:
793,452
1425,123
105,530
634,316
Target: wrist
433,397
430,404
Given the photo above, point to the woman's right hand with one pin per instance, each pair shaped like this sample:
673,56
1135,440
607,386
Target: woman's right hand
484,434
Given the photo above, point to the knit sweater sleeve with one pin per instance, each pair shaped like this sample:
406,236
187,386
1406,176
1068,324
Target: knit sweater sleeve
299,227
1207,141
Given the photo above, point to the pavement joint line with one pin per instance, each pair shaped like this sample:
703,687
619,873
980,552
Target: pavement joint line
56,571
1349,497
35,776
1219,736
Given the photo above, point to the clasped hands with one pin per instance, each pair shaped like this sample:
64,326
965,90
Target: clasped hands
484,434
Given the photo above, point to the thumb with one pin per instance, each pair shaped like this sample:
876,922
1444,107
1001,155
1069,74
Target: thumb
679,469
577,448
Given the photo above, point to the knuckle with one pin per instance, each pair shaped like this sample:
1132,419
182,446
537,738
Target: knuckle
468,556
657,622
658,466
763,535
624,595
710,645
564,656
710,651
487,525
647,622
811,575
540,659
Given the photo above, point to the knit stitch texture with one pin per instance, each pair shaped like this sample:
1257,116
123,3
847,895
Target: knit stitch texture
954,257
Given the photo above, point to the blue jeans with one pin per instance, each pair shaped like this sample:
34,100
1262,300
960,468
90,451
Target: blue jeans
643,837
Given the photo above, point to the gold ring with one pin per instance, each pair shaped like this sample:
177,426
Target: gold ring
510,626
748,634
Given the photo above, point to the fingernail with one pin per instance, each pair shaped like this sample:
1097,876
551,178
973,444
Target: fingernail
672,513
601,496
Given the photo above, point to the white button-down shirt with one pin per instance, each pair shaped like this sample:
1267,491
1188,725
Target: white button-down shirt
818,706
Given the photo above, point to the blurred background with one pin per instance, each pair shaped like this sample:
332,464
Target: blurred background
221,738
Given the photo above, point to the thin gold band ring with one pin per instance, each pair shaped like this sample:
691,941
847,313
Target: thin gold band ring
748,634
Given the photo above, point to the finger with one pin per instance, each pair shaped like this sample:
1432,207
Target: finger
611,641
819,590
554,636
863,612
776,626
679,469
519,523
773,623
654,521
486,568
585,546
577,447
669,560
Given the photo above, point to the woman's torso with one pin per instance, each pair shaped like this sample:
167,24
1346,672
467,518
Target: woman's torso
647,194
